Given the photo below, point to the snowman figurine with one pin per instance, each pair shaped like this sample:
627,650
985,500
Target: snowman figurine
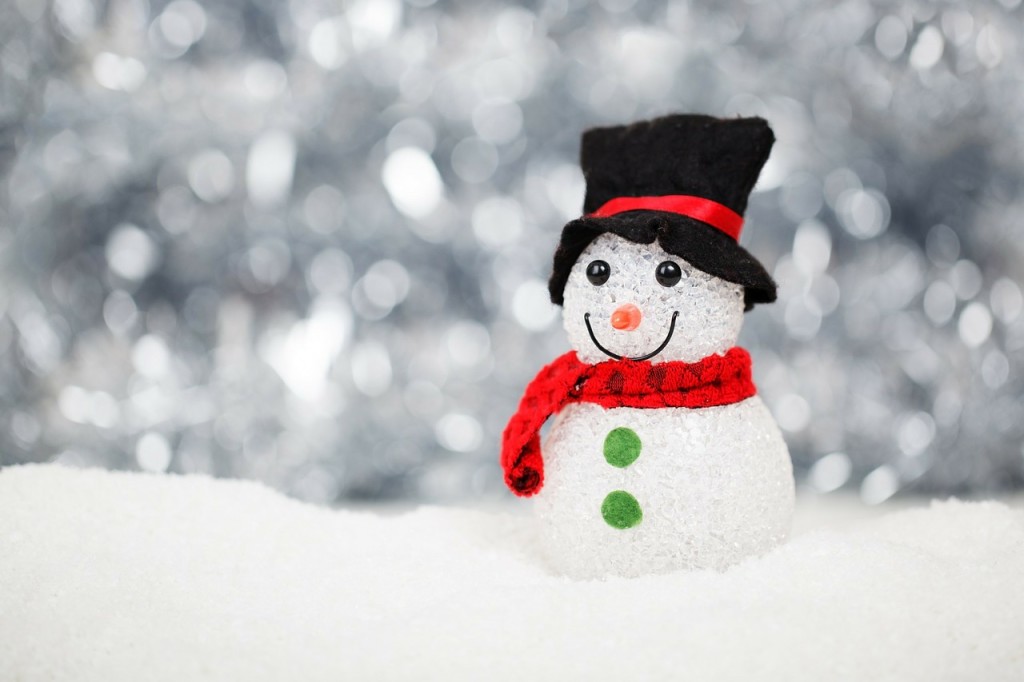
661,457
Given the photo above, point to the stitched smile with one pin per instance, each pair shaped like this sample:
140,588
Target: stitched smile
616,356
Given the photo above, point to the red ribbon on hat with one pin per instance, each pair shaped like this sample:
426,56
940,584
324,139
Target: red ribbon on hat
716,215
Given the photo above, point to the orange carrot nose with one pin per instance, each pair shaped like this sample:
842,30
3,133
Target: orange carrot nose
626,317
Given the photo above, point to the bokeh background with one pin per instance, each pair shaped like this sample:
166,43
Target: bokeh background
306,241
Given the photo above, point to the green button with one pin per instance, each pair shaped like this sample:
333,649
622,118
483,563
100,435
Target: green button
621,510
621,447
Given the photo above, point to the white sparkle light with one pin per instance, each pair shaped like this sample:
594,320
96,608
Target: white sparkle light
532,306
131,253
975,325
1006,299
863,213
371,368
412,181
304,356
373,21
268,172
792,412
468,342
989,46
916,433
385,285
182,23
73,403
830,472
565,188
879,485
927,50
150,356
327,43
939,302
474,160
497,221
812,247
153,453
459,432
498,121
891,37
118,73
211,175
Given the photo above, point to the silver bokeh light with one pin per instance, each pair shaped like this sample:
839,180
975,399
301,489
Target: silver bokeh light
307,243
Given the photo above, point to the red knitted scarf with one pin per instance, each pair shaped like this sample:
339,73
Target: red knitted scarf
715,380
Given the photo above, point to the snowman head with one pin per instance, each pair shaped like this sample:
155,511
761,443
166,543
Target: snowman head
654,269
625,299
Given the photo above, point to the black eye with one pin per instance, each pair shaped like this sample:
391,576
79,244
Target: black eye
668,274
598,272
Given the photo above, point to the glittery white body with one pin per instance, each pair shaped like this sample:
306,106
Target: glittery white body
715,485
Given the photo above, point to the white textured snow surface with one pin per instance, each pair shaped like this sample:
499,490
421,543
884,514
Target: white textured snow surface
114,576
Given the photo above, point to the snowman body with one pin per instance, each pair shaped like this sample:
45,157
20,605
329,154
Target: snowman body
631,491
713,486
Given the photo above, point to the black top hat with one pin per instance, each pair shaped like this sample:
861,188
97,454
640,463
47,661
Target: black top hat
683,180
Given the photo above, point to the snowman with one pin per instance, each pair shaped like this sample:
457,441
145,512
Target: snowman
661,455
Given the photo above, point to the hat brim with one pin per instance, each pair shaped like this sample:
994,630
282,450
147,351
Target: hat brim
701,245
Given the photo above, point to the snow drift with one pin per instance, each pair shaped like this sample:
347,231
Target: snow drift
113,576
